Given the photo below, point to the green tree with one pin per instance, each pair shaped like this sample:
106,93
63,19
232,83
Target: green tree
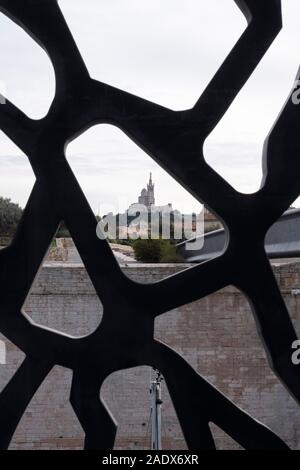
147,251
170,253
156,251
10,216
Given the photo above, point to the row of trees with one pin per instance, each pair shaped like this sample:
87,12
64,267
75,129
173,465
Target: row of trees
156,251
10,215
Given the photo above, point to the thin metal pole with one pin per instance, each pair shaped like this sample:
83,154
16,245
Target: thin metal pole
156,405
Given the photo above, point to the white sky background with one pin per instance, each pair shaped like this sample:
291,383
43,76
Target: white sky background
163,50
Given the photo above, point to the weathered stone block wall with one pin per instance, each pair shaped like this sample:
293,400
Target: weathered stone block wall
217,335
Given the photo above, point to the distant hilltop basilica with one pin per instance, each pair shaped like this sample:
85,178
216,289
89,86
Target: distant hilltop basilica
147,199
147,195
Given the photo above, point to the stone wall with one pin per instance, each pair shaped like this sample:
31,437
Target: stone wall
217,335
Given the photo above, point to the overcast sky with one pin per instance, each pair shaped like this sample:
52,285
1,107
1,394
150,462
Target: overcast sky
162,50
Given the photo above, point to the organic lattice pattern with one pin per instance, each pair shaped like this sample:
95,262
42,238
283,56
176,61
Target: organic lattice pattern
125,337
